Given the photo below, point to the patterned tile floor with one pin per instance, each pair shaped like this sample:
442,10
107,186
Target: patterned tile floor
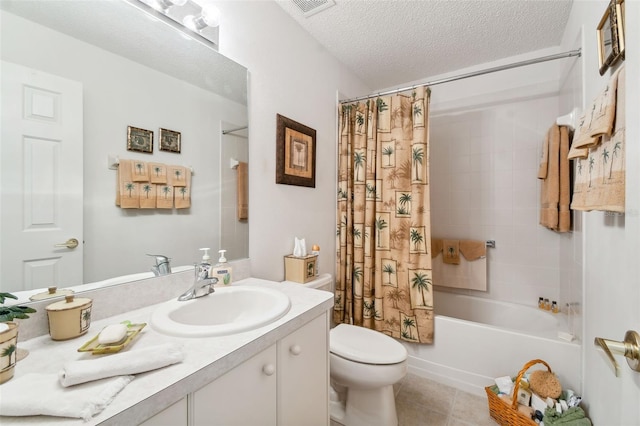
423,402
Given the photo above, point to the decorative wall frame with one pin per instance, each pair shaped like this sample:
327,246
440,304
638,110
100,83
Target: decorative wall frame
610,36
140,140
170,140
295,153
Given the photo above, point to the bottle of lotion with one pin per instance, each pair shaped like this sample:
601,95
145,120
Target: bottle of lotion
204,267
222,270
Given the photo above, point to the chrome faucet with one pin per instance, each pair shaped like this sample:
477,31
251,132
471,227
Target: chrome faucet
202,286
162,266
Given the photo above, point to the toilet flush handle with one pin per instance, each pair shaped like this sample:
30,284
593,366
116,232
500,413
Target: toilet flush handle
295,349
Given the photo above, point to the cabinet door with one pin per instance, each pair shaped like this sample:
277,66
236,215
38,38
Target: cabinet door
174,415
303,376
244,396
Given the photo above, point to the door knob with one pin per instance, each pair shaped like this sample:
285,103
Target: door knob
630,348
71,243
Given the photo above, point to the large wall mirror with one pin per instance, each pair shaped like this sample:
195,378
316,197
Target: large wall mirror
104,66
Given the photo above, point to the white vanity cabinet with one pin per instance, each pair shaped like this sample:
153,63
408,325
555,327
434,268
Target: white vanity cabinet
286,385
244,396
174,415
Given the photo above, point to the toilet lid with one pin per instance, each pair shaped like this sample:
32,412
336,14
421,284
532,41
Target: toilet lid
367,346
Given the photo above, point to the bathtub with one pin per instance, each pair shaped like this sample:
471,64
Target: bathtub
477,340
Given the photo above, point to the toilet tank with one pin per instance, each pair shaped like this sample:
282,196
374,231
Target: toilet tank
322,282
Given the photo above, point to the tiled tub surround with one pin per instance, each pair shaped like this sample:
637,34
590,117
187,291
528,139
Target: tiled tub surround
205,358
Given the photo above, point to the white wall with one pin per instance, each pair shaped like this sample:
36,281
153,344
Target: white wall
291,75
118,93
607,255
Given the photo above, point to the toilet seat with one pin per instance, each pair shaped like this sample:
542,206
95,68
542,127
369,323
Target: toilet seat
365,346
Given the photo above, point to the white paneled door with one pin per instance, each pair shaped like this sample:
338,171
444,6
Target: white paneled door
40,180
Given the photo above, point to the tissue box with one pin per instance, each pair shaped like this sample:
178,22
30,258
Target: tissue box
300,269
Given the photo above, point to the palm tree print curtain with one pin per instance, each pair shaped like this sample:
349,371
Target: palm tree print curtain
383,271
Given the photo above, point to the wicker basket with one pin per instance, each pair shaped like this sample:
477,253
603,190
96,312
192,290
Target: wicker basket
508,415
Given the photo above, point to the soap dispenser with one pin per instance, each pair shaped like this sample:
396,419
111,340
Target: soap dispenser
204,267
222,270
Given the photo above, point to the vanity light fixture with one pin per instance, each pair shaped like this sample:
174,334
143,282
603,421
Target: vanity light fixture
209,17
197,16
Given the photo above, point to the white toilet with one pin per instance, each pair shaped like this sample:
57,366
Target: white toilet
364,366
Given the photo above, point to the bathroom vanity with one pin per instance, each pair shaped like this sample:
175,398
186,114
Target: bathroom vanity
277,374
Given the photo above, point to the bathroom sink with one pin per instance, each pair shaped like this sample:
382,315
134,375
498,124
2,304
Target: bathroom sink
227,311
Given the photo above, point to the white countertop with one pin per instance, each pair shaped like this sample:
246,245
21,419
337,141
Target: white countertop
205,358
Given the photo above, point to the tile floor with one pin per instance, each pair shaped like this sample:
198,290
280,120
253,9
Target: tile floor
423,402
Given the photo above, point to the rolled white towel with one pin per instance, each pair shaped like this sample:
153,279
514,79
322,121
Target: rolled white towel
120,364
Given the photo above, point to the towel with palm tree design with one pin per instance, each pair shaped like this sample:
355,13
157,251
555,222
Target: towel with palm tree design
599,179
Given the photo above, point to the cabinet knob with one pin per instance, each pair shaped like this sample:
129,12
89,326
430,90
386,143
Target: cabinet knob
269,369
295,350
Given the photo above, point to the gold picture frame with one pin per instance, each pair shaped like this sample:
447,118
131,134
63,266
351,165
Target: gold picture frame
140,140
610,36
170,140
295,153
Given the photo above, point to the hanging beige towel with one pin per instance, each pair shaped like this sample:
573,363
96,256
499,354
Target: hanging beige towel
148,195
451,252
129,190
543,168
243,193
177,175
436,247
603,108
470,275
139,171
118,186
550,188
564,214
182,194
157,173
600,179
473,249
164,198
581,137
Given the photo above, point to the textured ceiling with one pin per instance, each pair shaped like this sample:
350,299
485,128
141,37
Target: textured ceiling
391,42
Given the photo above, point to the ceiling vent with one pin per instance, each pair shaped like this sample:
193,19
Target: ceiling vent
311,7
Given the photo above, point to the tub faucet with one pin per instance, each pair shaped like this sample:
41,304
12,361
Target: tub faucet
202,286
162,266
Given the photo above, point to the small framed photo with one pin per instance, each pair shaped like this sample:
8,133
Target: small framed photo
610,36
170,140
140,140
295,153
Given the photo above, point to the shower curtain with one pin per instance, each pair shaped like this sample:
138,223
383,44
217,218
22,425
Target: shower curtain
383,271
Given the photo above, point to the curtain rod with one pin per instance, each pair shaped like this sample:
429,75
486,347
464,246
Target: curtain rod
225,132
563,55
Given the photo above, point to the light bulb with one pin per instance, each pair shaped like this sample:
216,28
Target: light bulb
211,15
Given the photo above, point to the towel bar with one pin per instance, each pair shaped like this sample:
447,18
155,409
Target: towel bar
113,162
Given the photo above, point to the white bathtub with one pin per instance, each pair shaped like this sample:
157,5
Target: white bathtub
476,340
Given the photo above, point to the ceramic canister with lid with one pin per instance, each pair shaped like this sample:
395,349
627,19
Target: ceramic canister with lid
69,318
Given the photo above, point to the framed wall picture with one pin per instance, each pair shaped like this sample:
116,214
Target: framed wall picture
295,153
610,36
140,140
170,140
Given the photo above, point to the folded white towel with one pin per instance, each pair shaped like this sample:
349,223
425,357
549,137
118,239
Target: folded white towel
41,394
120,364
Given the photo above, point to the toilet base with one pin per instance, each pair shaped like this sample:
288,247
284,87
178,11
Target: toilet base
366,407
